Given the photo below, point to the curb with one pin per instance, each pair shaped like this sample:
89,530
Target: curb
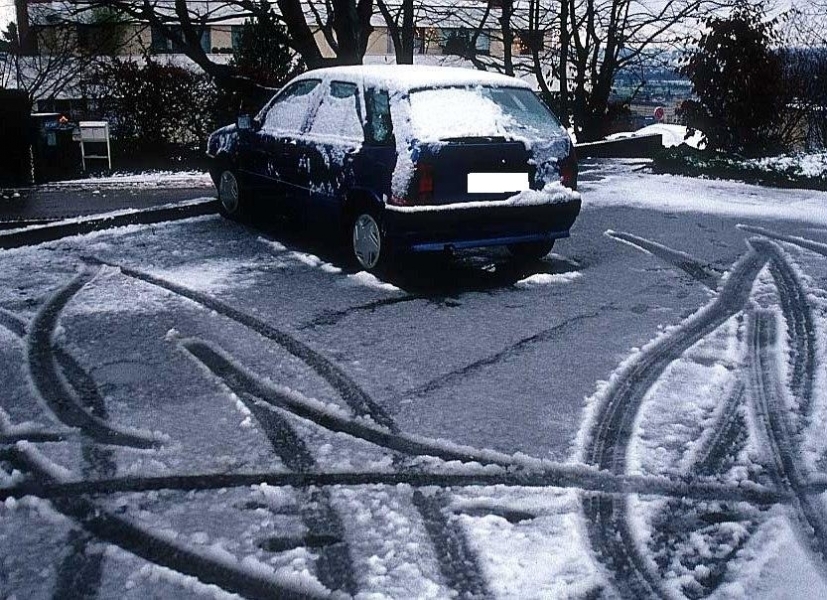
33,233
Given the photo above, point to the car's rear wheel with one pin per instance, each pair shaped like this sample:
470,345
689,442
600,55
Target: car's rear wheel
231,197
368,241
530,250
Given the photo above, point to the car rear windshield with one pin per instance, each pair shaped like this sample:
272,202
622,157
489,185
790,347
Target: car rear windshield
482,111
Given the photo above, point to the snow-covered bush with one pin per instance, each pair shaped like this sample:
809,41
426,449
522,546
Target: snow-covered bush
785,170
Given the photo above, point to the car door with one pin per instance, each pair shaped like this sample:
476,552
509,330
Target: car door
331,146
273,153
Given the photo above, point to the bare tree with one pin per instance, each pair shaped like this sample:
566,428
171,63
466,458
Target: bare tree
53,59
344,27
401,28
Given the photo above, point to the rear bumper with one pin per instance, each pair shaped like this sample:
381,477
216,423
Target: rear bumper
438,228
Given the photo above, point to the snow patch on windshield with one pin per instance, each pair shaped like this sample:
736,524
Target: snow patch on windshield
456,112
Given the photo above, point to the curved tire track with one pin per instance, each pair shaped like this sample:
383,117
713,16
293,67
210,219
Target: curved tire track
333,565
607,522
457,561
135,539
799,316
699,271
767,394
51,387
79,574
350,392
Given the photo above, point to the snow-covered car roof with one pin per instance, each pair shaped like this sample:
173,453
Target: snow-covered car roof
408,77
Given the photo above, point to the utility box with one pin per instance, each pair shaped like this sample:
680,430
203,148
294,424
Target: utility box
94,138
15,148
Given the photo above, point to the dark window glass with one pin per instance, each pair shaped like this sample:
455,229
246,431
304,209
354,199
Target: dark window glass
235,36
173,42
379,125
460,42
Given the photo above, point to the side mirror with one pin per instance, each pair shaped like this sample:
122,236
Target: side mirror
244,122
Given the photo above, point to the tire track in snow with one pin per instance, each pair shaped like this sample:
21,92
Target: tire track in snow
767,395
808,244
79,574
608,527
598,482
799,316
729,432
726,431
350,392
133,538
13,323
457,560
334,566
50,385
699,271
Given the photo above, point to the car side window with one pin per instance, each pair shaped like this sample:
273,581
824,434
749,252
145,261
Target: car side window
339,114
289,111
379,124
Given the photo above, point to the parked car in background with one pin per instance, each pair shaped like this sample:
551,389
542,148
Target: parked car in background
405,158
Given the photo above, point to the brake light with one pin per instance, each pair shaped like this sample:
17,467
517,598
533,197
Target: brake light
424,183
422,187
568,171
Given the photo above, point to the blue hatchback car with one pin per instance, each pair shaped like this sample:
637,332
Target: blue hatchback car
405,159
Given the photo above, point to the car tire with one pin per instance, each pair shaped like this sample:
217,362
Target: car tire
528,251
368,245
232,197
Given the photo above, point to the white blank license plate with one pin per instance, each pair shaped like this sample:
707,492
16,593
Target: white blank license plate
497,183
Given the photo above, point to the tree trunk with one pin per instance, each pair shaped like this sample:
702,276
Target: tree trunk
563,73
508,36
405,53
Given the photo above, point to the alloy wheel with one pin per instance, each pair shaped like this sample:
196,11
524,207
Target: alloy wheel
228,192
367,241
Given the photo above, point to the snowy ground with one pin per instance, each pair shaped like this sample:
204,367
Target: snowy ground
149,179
203,409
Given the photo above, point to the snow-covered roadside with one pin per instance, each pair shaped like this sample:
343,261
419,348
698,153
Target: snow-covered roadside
149,179
674,193
671,135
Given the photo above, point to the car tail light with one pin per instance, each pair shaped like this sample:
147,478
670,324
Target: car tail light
422,188
424,183
568,171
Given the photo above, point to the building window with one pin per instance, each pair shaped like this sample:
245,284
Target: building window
526,41
161,44
460,42
419,42
235,36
